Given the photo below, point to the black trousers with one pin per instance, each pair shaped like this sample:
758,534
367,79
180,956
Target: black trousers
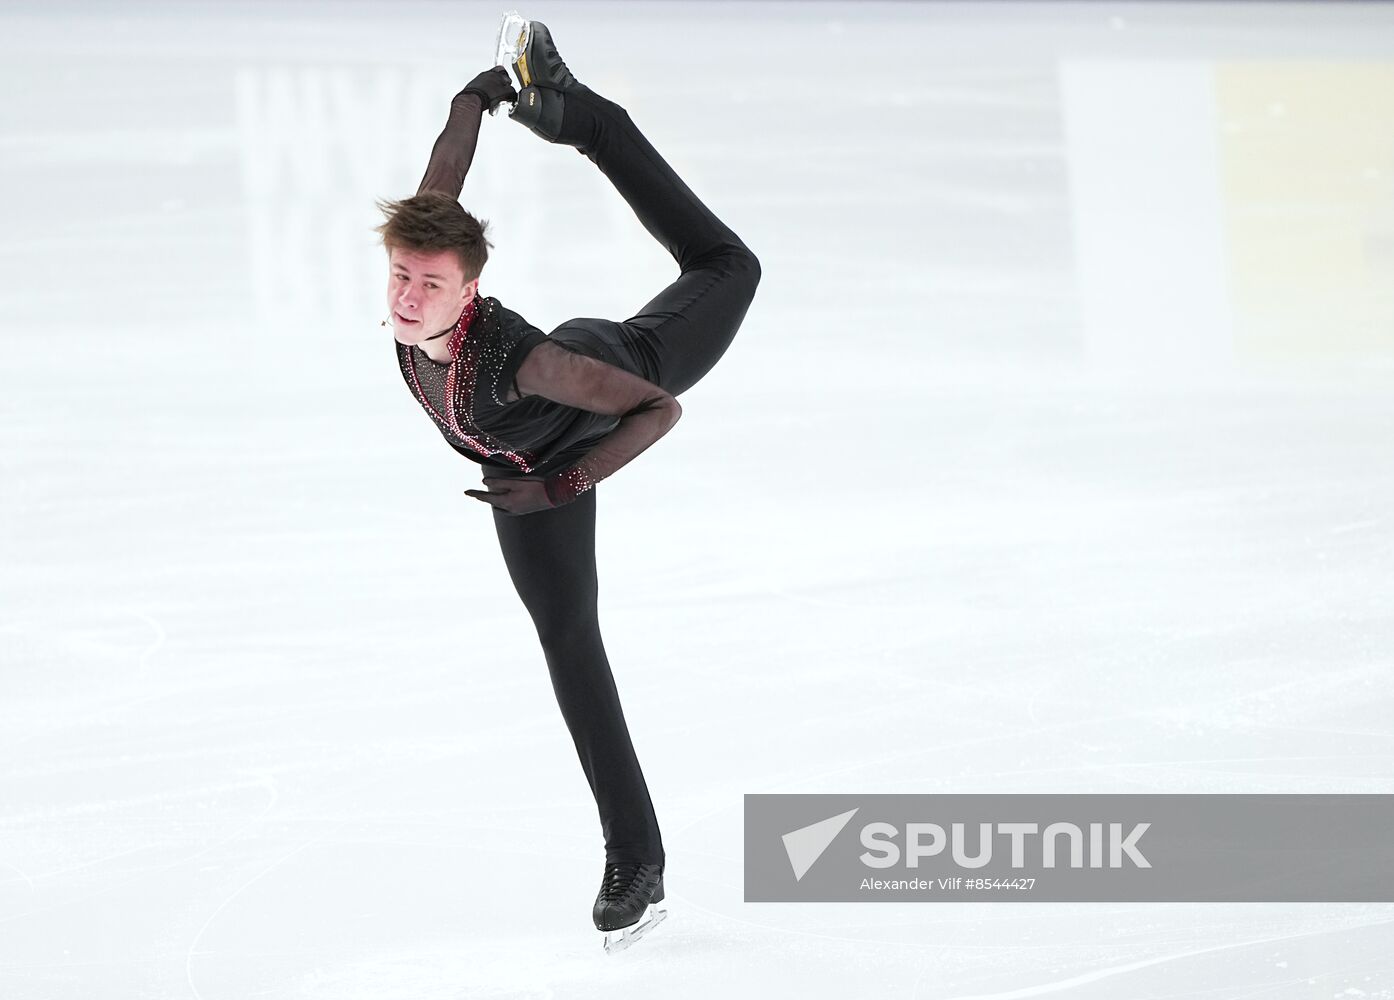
673,341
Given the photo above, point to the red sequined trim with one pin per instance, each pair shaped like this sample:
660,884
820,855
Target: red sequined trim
465,353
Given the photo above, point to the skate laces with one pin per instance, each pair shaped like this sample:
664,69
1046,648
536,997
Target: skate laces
621,878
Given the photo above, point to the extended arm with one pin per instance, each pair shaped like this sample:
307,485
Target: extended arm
453,152
646,413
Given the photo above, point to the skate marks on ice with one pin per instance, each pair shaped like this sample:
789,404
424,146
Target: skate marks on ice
117,644
1322,961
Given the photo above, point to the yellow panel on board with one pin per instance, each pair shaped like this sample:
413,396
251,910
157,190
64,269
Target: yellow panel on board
1307,174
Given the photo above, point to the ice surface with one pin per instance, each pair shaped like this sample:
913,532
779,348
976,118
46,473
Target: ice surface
1054,456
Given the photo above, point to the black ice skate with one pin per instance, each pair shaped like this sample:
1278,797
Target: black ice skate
626,907
540,110
527,47
543,78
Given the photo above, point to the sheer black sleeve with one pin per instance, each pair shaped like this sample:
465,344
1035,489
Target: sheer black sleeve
453,152
646,412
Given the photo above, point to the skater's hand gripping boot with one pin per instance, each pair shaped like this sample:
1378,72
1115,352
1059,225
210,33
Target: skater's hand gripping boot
492,87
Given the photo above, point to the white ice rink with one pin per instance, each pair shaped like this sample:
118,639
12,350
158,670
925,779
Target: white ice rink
1056,454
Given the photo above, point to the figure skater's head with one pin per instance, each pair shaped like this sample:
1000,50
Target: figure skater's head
435,251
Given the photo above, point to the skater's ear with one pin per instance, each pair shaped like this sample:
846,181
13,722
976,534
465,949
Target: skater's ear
469,290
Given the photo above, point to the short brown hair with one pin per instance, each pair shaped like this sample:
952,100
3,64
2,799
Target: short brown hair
431,221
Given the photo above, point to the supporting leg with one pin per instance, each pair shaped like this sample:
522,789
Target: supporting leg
550,557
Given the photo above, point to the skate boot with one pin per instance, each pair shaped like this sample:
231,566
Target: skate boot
626,907
540,110
527,48
543,78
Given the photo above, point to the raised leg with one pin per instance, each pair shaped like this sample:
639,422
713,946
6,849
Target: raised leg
680,334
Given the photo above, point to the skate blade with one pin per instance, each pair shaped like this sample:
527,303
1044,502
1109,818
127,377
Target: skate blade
514,33
624,937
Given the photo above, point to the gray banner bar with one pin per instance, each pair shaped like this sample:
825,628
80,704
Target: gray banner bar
1069,848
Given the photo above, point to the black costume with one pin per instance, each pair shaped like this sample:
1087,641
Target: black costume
671,342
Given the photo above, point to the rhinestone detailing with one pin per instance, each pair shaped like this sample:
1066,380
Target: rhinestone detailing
474,346
567,484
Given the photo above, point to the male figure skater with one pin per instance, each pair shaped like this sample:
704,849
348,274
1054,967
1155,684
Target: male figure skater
548,416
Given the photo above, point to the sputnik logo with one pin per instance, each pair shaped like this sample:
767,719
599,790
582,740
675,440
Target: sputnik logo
807,844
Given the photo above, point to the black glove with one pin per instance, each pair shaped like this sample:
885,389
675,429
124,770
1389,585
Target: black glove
493,87
513,495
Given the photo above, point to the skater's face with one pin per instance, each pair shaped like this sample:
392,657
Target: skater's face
426,291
